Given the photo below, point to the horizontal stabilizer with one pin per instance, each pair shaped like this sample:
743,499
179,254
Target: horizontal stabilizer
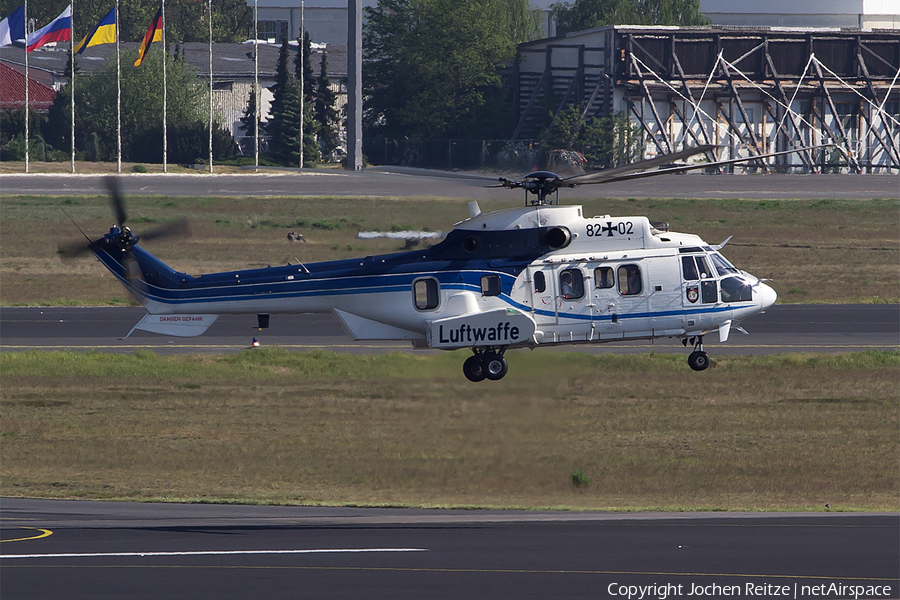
175,325
361,328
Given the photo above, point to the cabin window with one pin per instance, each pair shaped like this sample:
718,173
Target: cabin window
571,284
689,268
490,285
736,289
425,294
603,278
630,280
540,283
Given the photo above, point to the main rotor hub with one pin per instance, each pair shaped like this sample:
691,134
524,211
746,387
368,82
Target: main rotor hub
540,183
123,237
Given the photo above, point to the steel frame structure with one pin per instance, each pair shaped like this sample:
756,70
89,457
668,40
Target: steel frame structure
749,90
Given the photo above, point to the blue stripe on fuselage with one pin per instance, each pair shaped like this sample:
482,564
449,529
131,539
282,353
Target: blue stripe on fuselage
164,285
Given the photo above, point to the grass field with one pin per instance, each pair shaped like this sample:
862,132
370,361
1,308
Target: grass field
637,432
813,250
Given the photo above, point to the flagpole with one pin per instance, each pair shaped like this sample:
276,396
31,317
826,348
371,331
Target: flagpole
118,95
165,53
72,82
26,86
210,91
256,93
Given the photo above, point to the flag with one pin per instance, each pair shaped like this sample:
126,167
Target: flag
103,33
12,28
154,34
59,30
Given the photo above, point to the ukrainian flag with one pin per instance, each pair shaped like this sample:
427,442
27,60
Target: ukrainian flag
103,33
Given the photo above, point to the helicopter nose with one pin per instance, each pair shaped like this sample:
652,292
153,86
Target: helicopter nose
767,296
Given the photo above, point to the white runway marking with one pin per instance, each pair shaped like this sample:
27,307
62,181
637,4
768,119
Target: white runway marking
214,553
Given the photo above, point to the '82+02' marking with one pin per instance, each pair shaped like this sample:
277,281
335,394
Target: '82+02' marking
622,228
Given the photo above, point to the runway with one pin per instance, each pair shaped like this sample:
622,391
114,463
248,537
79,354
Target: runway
784,328
81,549
398,181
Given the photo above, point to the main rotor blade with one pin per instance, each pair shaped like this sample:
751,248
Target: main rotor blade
178,228
608,174
72,250
683,168
115,200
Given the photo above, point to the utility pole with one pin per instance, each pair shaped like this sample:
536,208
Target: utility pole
354,85
302,77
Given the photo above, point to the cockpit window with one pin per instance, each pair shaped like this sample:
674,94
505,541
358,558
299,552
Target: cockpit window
703,267
723,267
736,289
689,268
540,284
571,284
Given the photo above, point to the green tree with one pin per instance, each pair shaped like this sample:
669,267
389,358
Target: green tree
12,133
283,125
326,113
284,110
431,66
585,14
605,142
303,68
142,111
250,121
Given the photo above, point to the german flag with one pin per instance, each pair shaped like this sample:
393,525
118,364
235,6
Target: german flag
154,34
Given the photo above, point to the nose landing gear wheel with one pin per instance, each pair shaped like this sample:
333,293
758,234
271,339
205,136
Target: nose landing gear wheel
473,369
698,360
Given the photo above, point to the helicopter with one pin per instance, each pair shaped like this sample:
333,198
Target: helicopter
543,274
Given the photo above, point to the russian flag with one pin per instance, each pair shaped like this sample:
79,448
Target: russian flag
59,30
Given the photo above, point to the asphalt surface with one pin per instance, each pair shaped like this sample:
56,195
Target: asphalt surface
408,182
783,328
96,550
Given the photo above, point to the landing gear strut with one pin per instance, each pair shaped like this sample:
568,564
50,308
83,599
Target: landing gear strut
698,359
486,363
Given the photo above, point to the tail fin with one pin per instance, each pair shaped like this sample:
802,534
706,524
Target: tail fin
148,279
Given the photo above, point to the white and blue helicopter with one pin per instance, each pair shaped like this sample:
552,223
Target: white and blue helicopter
539,275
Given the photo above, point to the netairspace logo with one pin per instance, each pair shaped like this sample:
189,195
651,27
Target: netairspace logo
748,590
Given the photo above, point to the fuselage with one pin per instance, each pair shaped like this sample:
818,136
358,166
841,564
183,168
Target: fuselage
575,279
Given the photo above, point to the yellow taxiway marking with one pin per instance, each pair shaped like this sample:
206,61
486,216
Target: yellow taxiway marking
44,533
213,552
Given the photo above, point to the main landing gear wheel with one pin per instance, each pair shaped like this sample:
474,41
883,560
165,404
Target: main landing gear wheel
473,369
495,366
698,360
486,364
